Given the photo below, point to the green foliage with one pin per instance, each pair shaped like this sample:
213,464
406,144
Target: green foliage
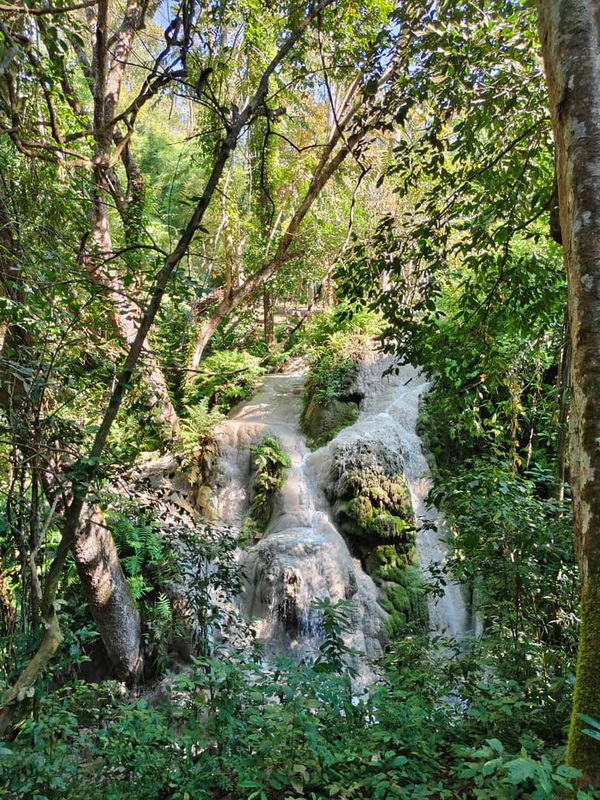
513,539
238,728
330,377
497,775
225,378
212,580
333,651
150,567
593,729
142,548
345,325
337,342
269,464
197,427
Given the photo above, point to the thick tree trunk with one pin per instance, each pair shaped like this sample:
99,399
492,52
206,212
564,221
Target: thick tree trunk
108,595
125,315
570,34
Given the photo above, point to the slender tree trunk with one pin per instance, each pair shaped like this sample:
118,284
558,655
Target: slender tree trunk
268,319
280,257
94,551
570,34
125,315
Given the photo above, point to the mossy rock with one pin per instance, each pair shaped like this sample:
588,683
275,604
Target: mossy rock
380,510
406,602
389,562
320,423
372,506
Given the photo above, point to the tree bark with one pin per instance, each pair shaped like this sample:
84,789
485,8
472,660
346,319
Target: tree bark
570,35
268,319
108,595
125,314
107,78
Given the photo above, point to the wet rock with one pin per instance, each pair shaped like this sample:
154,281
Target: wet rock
322,422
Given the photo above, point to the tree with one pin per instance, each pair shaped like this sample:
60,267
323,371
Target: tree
569,31
356,113
77,520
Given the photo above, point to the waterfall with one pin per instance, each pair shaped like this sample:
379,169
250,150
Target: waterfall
391,408
303,556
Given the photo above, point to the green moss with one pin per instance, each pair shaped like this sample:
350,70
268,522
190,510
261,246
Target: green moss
270,463
583,751
380,510
322,421
374,510
405,602
330,393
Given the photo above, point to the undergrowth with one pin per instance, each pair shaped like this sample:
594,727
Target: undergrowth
237,728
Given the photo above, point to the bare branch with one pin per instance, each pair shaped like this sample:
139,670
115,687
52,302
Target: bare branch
45,10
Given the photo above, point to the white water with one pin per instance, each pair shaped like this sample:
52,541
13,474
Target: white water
303,556
391,409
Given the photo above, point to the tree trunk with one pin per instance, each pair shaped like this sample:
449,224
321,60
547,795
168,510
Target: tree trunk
108,70
108,595
570,34
125,315
281,256
268,319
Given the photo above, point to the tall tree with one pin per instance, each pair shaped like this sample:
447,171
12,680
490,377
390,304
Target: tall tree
86,469
570,35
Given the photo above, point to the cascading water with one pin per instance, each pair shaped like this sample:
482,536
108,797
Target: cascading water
390,409
303,556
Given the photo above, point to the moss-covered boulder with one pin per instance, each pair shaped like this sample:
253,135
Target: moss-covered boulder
321,422
370,497
371,502
331,397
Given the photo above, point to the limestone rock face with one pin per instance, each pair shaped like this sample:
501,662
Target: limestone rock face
302,557
321,422
288,570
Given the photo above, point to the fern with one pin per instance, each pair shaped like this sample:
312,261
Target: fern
270,462
197,427
162,607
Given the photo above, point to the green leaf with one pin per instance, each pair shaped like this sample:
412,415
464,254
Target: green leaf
520,770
